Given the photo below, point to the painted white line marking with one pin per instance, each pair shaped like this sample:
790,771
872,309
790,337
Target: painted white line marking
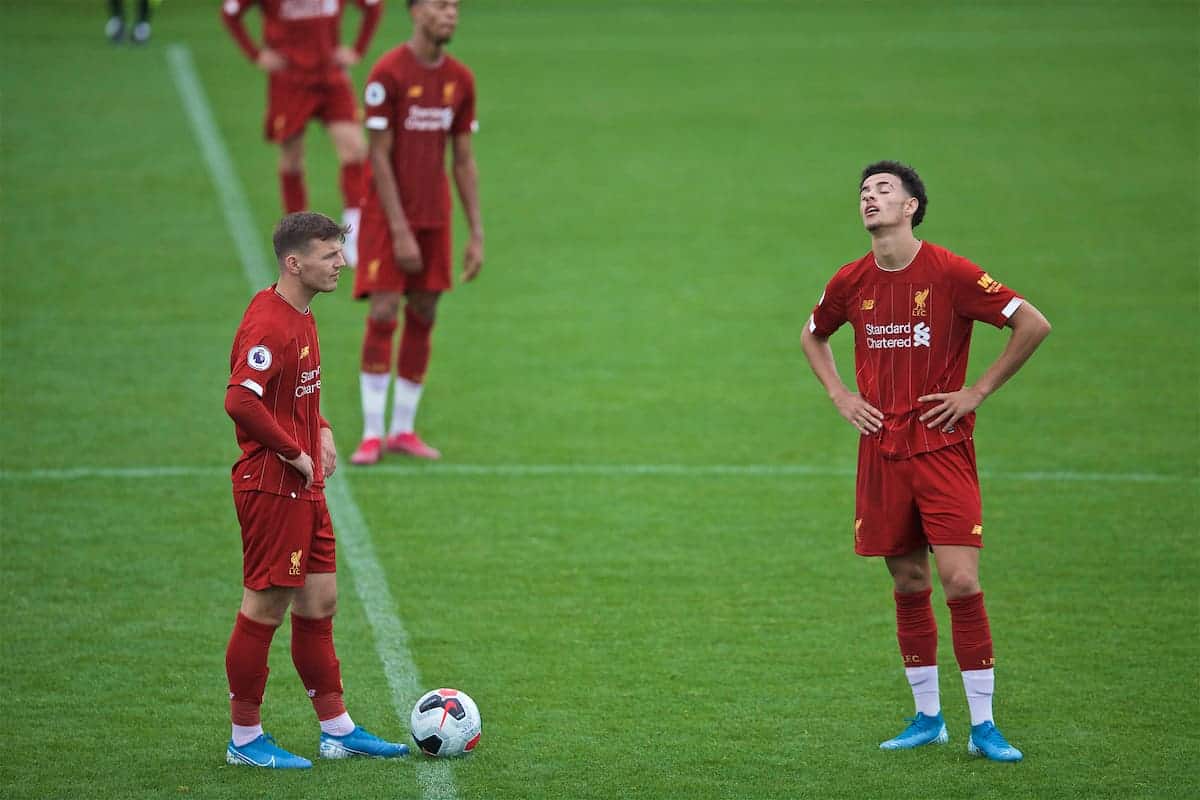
591,470
354,538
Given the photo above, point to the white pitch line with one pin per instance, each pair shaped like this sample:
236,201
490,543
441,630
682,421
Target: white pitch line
369,581
590,470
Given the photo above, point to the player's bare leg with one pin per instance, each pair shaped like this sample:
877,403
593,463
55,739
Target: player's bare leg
316,662
420,312
291,174
916,632
246,666
351,147
958,568
376,373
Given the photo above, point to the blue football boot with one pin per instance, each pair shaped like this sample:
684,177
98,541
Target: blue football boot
359,742
263,752
922,730
987,741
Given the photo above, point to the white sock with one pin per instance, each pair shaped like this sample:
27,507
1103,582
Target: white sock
374,387
404,406
351,217
924,683
979,684
245,734
339,725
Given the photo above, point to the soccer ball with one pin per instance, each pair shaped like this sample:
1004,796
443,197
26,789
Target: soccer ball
445,722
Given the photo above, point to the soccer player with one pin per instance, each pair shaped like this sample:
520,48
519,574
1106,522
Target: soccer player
307,78
912,305
288,550
417,97
115,28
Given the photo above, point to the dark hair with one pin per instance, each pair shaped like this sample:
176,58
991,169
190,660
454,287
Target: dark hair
908,177
295,232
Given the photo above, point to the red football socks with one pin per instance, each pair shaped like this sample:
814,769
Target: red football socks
972,635
377,346
317,664
415,346
351,179
246,667
916,628
295,196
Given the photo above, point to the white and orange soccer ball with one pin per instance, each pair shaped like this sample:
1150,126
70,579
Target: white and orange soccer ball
446,722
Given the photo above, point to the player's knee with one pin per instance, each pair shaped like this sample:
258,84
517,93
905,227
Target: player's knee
384,307
960,583
423,307
911,580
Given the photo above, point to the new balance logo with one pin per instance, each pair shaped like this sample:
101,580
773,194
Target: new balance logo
921,335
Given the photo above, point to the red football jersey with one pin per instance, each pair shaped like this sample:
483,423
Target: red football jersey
276,356
305,32
422,106
912,335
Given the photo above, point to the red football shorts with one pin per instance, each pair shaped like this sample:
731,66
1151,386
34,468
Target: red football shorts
283,539
905,504
292,102
377,270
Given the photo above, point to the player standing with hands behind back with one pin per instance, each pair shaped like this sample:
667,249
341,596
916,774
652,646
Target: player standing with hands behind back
417,98
912,305
288,548
307,77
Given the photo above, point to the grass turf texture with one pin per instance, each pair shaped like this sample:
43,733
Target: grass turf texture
666,188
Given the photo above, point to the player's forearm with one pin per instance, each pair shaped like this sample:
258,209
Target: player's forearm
371,13
820,359
237,29
1030,329
246,409
466,180
389,194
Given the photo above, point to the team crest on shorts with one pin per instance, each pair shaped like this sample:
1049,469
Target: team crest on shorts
259,358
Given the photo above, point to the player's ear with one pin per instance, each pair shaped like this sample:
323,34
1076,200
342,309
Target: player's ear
291,263
910,206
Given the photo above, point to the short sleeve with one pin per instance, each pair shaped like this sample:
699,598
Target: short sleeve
256,360
464,114
979,296
380,98
830,312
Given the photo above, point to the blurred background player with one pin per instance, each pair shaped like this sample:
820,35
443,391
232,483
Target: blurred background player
115,28
308,77
288,547
912,305
417,97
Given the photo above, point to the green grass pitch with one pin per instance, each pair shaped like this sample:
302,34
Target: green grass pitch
666,188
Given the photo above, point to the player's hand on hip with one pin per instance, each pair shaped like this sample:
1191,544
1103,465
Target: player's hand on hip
270,60
406,252
950,408
858,412
328,452
303,464
472,259
346,57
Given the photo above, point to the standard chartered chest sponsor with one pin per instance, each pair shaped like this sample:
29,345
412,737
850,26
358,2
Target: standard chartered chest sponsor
896,335
422,118
310,381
